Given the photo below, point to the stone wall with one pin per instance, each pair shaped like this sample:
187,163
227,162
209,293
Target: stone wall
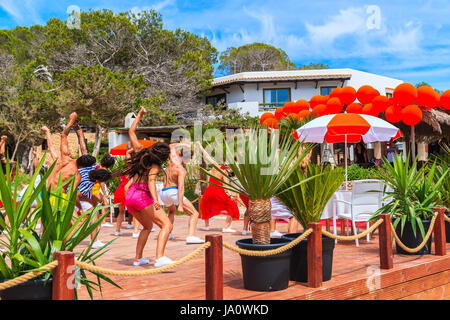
73,143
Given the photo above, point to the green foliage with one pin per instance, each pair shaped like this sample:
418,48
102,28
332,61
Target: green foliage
313,66
415,192
443,162
307,194
355,172
228,117
254,57
25,249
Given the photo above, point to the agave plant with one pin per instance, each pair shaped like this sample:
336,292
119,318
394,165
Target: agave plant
443,161
414,194
261,166
25,249
306,194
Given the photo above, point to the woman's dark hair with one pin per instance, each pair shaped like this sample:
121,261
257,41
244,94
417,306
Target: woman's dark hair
85,161
140,162
108,161
101,175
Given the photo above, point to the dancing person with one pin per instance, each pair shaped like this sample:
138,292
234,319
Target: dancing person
215,200
172,195
141,198
281,212
100,189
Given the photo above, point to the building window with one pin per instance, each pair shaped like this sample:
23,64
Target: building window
274,98
389,94
218,99
324,91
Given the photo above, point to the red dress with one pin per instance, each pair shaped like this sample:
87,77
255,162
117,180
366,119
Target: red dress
215,201
119,194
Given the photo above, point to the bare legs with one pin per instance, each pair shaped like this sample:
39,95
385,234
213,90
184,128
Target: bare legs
120,218
146,218
193,216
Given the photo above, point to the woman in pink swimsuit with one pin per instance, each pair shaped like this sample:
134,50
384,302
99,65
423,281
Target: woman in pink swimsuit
141,198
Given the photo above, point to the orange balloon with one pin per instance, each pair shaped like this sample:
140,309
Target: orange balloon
369,110
348,95
319,110
405,94
334,105
303,114
336,93
271,123
380,103
445,100
302,104
289,107
280,113
411,115
264,116
366,94
393,114
354,108
316,100
427,97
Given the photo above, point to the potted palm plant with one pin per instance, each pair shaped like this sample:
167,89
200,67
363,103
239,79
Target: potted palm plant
263,163
26,250
412,201
307,202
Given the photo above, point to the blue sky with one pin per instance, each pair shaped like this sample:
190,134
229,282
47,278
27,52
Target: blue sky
404,39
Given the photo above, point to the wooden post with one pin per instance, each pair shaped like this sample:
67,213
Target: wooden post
64,276
385,242
214,268
439,234
328,225
315,255
342,226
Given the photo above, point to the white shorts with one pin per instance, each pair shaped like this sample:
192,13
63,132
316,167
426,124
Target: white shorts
169,196
85,206
279,210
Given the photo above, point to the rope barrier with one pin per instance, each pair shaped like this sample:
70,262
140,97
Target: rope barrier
446,218
427,236
111,272
255,253
356,236
28,276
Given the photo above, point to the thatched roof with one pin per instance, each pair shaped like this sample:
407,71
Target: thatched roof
434,126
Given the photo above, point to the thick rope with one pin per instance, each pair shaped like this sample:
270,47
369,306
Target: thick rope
28,276
446,218
427,236
111,272
257,253
356,236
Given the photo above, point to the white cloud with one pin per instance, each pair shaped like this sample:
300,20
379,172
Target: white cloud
10,7
348,21
159,6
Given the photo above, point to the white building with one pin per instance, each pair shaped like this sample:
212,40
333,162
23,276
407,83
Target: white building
262,91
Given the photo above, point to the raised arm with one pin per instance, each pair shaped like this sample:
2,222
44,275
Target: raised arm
132,131
3,148
36,160
65,151
48,137
206,155
81,140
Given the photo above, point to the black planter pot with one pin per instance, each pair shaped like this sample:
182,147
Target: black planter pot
35,289
299,258
411,241
270,273
447,228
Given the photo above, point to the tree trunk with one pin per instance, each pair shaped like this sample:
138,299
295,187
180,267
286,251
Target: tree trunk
99,135
18,141
259,212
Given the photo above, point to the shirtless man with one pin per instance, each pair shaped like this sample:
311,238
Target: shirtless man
66,166
172,196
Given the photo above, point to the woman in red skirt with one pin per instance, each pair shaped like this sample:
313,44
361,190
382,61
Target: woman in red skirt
215,200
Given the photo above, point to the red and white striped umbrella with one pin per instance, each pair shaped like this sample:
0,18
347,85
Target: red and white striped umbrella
347,127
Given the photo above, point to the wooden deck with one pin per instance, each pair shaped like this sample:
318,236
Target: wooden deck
355,272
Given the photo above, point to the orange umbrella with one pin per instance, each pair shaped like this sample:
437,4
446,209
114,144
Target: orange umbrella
121,149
